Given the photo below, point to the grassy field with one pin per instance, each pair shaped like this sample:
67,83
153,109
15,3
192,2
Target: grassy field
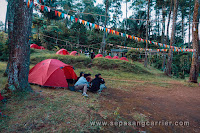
61,110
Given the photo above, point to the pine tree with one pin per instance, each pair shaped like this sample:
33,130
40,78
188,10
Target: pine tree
147,35
19,38
194,70
172,41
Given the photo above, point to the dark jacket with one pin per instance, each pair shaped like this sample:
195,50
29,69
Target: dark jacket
92,55
95,84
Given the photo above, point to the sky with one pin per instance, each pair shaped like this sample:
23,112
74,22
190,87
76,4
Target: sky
3,8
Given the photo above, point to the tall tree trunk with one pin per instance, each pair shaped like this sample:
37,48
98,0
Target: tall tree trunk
172,41
103,44
126,25
10,20
147,36
169,19
19,58
158,26
194,71
182,25
163,24
189,23
164,60
6,20
116,16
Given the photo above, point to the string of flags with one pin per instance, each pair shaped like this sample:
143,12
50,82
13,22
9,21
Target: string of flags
158,50
30,3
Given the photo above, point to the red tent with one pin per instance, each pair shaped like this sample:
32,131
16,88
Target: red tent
124,58
35,46
41,47
62,52
115,57
74,53
98,56
1,97
51,72
108,57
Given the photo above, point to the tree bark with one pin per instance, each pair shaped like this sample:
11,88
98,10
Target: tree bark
147,36
194,70
182,25
10,20
169,19
189,23
19,58
163,25
172,41
103,45
6,19
126,25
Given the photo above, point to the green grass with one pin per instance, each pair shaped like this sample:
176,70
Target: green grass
52,110
59,110
109,64
85,62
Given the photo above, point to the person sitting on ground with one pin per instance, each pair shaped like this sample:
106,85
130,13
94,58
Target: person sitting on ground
81,75
82,84
89,78
97,84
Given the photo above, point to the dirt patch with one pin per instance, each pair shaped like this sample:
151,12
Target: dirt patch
178,103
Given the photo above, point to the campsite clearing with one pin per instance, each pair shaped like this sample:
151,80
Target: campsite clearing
129,97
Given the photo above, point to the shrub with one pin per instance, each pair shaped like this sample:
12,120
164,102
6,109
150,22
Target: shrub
133,54
3,47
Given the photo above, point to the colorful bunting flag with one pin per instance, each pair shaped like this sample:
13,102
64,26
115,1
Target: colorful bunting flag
56,13
72,18
76,19
59,13
42,8
63,15
83,22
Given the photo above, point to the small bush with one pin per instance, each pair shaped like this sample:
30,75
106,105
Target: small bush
3,52
3,47
133,54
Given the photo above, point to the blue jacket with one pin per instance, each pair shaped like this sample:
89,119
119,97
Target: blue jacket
81,81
